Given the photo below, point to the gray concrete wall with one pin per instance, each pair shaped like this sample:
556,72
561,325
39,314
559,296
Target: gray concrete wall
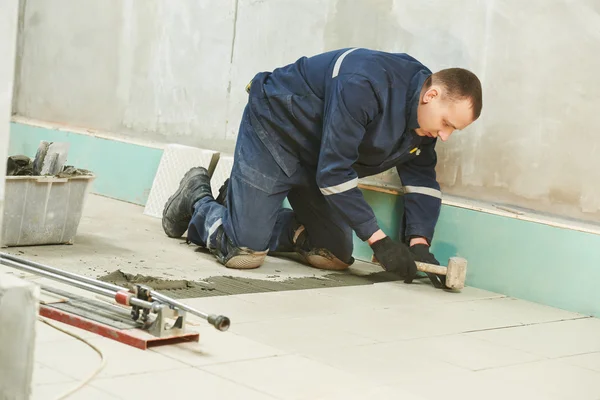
176,71
19,301
9,11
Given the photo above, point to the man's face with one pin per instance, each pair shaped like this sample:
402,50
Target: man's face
439,116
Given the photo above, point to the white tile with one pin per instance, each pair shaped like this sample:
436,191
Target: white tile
270,306
75,359
386,363
299,334
43,375
406,322
45,392
400,323
589,361
234,307
70,357
552,379
389,294
303,303
217,347
516,312
556,339
184,383
424,287
371,393
175,162
469,352
46,333
374,296
221,173
543,380
289,377
469,386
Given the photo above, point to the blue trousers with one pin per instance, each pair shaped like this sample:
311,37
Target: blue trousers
254,217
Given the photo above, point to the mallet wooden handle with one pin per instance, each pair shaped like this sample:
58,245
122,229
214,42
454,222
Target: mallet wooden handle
456,271
431,268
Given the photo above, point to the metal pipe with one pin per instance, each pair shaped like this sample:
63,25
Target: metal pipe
220,322
71,275
62,293
82,285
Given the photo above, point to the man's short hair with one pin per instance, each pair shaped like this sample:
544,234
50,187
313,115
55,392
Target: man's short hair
460,84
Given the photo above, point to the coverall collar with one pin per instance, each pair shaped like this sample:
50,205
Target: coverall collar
414,96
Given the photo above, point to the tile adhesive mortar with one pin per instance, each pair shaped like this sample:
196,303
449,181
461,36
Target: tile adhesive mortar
229,285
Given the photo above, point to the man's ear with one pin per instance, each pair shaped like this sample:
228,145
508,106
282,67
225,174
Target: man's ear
431,94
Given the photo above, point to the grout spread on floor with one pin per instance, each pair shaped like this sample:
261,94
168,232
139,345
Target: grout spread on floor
230,285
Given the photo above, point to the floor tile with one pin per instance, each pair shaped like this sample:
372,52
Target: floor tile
301,303
542,380
589,361
298,334
515,311
388,294
386,363
46,333
185,383
555,339
552,378
46,392
469,352
371,393
43,375
397,323
289,377
469,386
424,286
237,309
70,357
400,323
120,359
217,347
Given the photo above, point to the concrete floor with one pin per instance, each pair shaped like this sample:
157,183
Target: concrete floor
382,341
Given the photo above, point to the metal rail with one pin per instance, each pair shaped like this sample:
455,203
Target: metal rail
220,322
82,285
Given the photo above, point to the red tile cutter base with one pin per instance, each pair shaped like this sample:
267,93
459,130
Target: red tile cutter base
153,318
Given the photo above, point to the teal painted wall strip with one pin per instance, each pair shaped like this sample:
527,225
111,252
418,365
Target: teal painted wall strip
123,171
544,264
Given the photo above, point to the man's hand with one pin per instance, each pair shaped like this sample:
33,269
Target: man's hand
395,257
422,254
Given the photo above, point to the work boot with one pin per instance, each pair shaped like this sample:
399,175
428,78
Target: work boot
317,257
178,211
235,257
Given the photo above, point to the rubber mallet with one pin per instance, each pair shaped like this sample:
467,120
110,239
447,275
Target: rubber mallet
456,271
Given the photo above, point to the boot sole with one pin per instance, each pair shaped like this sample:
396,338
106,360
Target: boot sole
320,262
246,260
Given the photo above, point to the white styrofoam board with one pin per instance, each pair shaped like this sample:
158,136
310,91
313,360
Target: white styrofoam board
175,162
222,173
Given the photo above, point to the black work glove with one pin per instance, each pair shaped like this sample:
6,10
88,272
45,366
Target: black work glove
395,257
422,254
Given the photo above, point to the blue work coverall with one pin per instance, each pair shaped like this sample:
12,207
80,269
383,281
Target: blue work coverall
309,131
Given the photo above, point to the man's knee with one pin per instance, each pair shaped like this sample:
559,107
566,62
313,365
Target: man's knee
244,258
234,256
336,257
325,259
